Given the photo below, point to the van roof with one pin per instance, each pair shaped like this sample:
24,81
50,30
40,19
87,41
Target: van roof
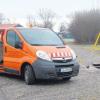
6,26
34,28
18,26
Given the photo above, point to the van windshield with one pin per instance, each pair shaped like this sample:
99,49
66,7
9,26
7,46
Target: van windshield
40,37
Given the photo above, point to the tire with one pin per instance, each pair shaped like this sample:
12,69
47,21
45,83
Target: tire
29,75
67,78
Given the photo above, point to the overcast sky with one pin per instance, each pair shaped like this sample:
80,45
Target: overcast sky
21,8
17,10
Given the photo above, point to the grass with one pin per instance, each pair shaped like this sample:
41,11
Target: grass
89,46
92,47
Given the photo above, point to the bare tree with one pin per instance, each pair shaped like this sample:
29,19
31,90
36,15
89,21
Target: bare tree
63,27
85,26
47,16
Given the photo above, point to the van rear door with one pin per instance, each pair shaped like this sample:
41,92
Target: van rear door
1,45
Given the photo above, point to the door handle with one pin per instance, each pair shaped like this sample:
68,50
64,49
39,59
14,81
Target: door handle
5,49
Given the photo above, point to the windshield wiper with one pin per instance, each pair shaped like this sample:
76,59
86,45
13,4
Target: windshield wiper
36,44
60,46
44,45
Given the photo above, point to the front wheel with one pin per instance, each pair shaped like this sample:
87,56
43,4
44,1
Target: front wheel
29,75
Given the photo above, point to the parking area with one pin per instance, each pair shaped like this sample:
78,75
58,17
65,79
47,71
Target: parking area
86,86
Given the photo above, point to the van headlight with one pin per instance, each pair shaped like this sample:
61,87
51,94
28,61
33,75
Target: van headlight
43,55
73,54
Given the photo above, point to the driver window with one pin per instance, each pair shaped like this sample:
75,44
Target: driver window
12,38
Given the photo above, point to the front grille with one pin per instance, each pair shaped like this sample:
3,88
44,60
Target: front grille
62,61
60,74
69,65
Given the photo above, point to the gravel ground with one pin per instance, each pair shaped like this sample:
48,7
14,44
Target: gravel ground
86,86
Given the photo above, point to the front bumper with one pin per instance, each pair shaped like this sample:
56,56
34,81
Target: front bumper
50,70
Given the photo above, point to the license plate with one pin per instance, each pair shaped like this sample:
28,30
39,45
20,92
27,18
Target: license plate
66,69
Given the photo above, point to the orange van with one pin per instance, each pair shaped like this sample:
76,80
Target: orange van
36,53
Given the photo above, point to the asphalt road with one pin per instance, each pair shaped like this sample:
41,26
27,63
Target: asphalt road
86,86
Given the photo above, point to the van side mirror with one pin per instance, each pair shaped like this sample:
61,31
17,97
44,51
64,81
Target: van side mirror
1,44
19,45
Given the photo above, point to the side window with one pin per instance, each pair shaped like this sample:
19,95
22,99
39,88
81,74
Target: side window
12,38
